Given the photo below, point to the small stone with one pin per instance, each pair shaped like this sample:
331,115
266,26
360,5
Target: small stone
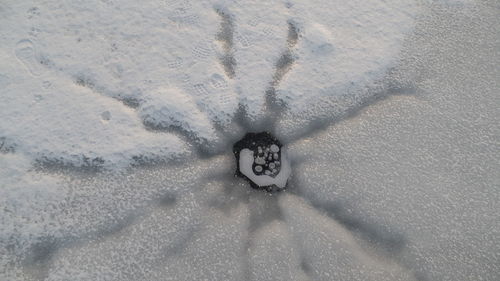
258,169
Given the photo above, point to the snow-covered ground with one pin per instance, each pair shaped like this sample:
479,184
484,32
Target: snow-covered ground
117,120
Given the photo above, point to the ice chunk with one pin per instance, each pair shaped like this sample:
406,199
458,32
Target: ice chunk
260,161
274,148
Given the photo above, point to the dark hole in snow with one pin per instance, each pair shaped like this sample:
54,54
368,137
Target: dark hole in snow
262,161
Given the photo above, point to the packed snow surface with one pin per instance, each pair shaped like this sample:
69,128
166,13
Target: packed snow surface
117,120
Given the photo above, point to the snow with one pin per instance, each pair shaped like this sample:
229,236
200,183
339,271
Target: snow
96,52
350,48
118,119
168,108
319,237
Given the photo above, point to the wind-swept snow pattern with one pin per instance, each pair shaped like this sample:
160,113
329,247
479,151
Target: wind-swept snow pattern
118,120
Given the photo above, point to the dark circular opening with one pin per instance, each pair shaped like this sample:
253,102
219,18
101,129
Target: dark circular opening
263,161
